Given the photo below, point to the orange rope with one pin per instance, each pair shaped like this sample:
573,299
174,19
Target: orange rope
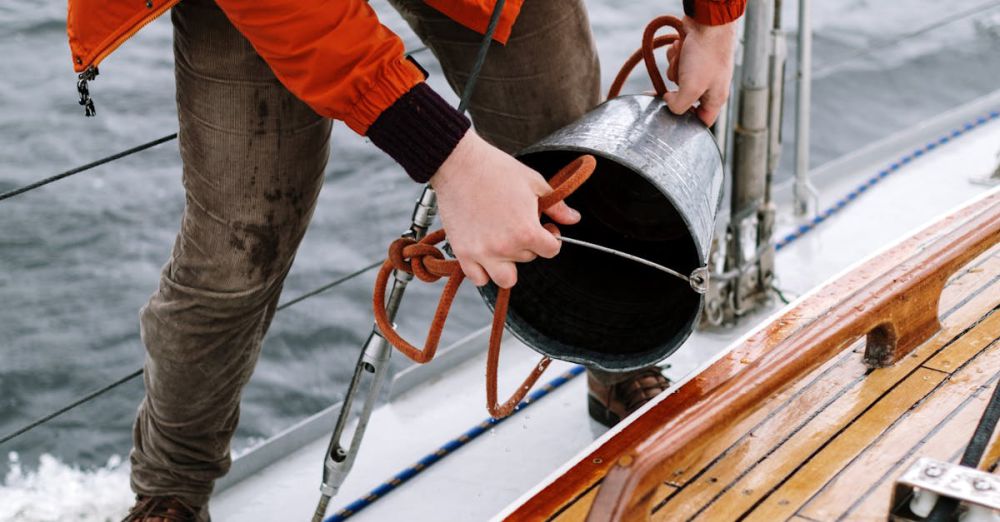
427,263
645,53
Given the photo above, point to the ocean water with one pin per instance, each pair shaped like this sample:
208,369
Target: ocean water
78,258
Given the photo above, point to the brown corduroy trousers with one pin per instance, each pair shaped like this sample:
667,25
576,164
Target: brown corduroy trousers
253,160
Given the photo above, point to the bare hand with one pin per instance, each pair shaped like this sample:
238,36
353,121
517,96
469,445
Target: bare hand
489,206
705,70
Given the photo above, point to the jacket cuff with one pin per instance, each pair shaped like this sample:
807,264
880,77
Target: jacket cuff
714,12
419,131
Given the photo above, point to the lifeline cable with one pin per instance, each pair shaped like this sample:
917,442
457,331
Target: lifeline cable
881,175
88,166
108,159
448,448
97,393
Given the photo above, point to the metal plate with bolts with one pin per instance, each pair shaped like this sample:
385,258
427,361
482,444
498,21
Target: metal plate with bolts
967,485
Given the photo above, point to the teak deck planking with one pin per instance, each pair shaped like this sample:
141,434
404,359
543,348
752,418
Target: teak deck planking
830,444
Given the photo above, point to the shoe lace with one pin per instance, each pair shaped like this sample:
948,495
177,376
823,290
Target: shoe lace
638,391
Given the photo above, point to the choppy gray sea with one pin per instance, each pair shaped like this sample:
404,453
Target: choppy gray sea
78,258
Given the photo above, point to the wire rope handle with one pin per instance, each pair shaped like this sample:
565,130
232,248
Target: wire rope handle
651,42
425,260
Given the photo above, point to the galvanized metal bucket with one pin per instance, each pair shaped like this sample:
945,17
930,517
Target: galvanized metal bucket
654,194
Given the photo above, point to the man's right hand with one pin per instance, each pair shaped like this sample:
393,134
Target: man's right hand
488,204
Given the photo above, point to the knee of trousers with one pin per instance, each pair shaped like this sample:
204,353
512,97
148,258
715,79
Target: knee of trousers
197,324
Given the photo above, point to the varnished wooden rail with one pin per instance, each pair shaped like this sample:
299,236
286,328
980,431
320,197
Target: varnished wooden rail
895,310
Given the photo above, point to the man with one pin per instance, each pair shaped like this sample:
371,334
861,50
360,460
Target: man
257,85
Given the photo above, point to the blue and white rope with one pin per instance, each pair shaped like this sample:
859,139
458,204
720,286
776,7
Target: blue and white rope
451,446
448,448
881,175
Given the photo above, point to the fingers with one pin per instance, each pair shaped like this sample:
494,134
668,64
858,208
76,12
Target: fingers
503,273
524,256
680,101
473,271
542,242
563,214
711,105
673,55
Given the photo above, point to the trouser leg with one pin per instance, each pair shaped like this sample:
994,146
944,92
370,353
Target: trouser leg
253,159
546,77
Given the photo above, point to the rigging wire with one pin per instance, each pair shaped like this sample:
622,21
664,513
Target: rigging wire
83,168
117,156
99,392
86,398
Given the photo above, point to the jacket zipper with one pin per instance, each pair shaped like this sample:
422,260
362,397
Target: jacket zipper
91,72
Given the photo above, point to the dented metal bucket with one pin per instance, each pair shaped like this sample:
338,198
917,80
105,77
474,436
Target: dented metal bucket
654,194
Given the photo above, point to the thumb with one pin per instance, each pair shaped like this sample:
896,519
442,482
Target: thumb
681,100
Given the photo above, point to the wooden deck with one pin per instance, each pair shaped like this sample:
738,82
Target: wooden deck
829,445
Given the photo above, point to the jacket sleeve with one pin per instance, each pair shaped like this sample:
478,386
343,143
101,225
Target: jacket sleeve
714,12
339,59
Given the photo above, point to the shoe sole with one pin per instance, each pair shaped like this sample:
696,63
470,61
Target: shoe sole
600,413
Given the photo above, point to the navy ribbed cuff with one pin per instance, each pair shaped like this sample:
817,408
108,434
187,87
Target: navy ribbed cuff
419,131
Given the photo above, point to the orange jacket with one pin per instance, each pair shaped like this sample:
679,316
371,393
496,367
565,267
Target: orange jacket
334,55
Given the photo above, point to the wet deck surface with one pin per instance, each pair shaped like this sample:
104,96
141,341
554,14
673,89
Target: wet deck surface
830,445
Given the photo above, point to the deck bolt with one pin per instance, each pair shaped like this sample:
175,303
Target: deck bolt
981,484
933,471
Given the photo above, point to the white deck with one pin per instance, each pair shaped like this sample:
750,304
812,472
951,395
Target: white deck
479,480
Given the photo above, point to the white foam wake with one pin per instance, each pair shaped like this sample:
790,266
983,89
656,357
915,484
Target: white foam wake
60,492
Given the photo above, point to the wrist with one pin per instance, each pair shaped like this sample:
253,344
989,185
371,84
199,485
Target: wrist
725,31
457,162
420,131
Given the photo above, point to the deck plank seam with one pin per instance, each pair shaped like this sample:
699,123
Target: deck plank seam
899,419
955,279
777,486
573,502
920,444
816,413
844,358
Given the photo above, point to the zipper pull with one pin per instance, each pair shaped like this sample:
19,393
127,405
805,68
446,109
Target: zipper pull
84,90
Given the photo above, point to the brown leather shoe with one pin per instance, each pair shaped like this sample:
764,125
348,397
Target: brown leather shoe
610,404
161,509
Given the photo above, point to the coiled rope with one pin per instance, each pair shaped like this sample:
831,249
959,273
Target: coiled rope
427,262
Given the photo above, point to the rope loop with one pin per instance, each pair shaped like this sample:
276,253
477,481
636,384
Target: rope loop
651,42
428,263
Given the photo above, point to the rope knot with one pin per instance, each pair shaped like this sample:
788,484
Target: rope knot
427,262
424,261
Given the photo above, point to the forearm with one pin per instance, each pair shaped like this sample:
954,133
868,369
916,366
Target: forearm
340,60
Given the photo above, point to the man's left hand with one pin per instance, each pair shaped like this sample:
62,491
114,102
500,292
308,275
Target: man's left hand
705,70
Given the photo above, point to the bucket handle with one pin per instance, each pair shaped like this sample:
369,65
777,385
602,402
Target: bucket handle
651,42
427,262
